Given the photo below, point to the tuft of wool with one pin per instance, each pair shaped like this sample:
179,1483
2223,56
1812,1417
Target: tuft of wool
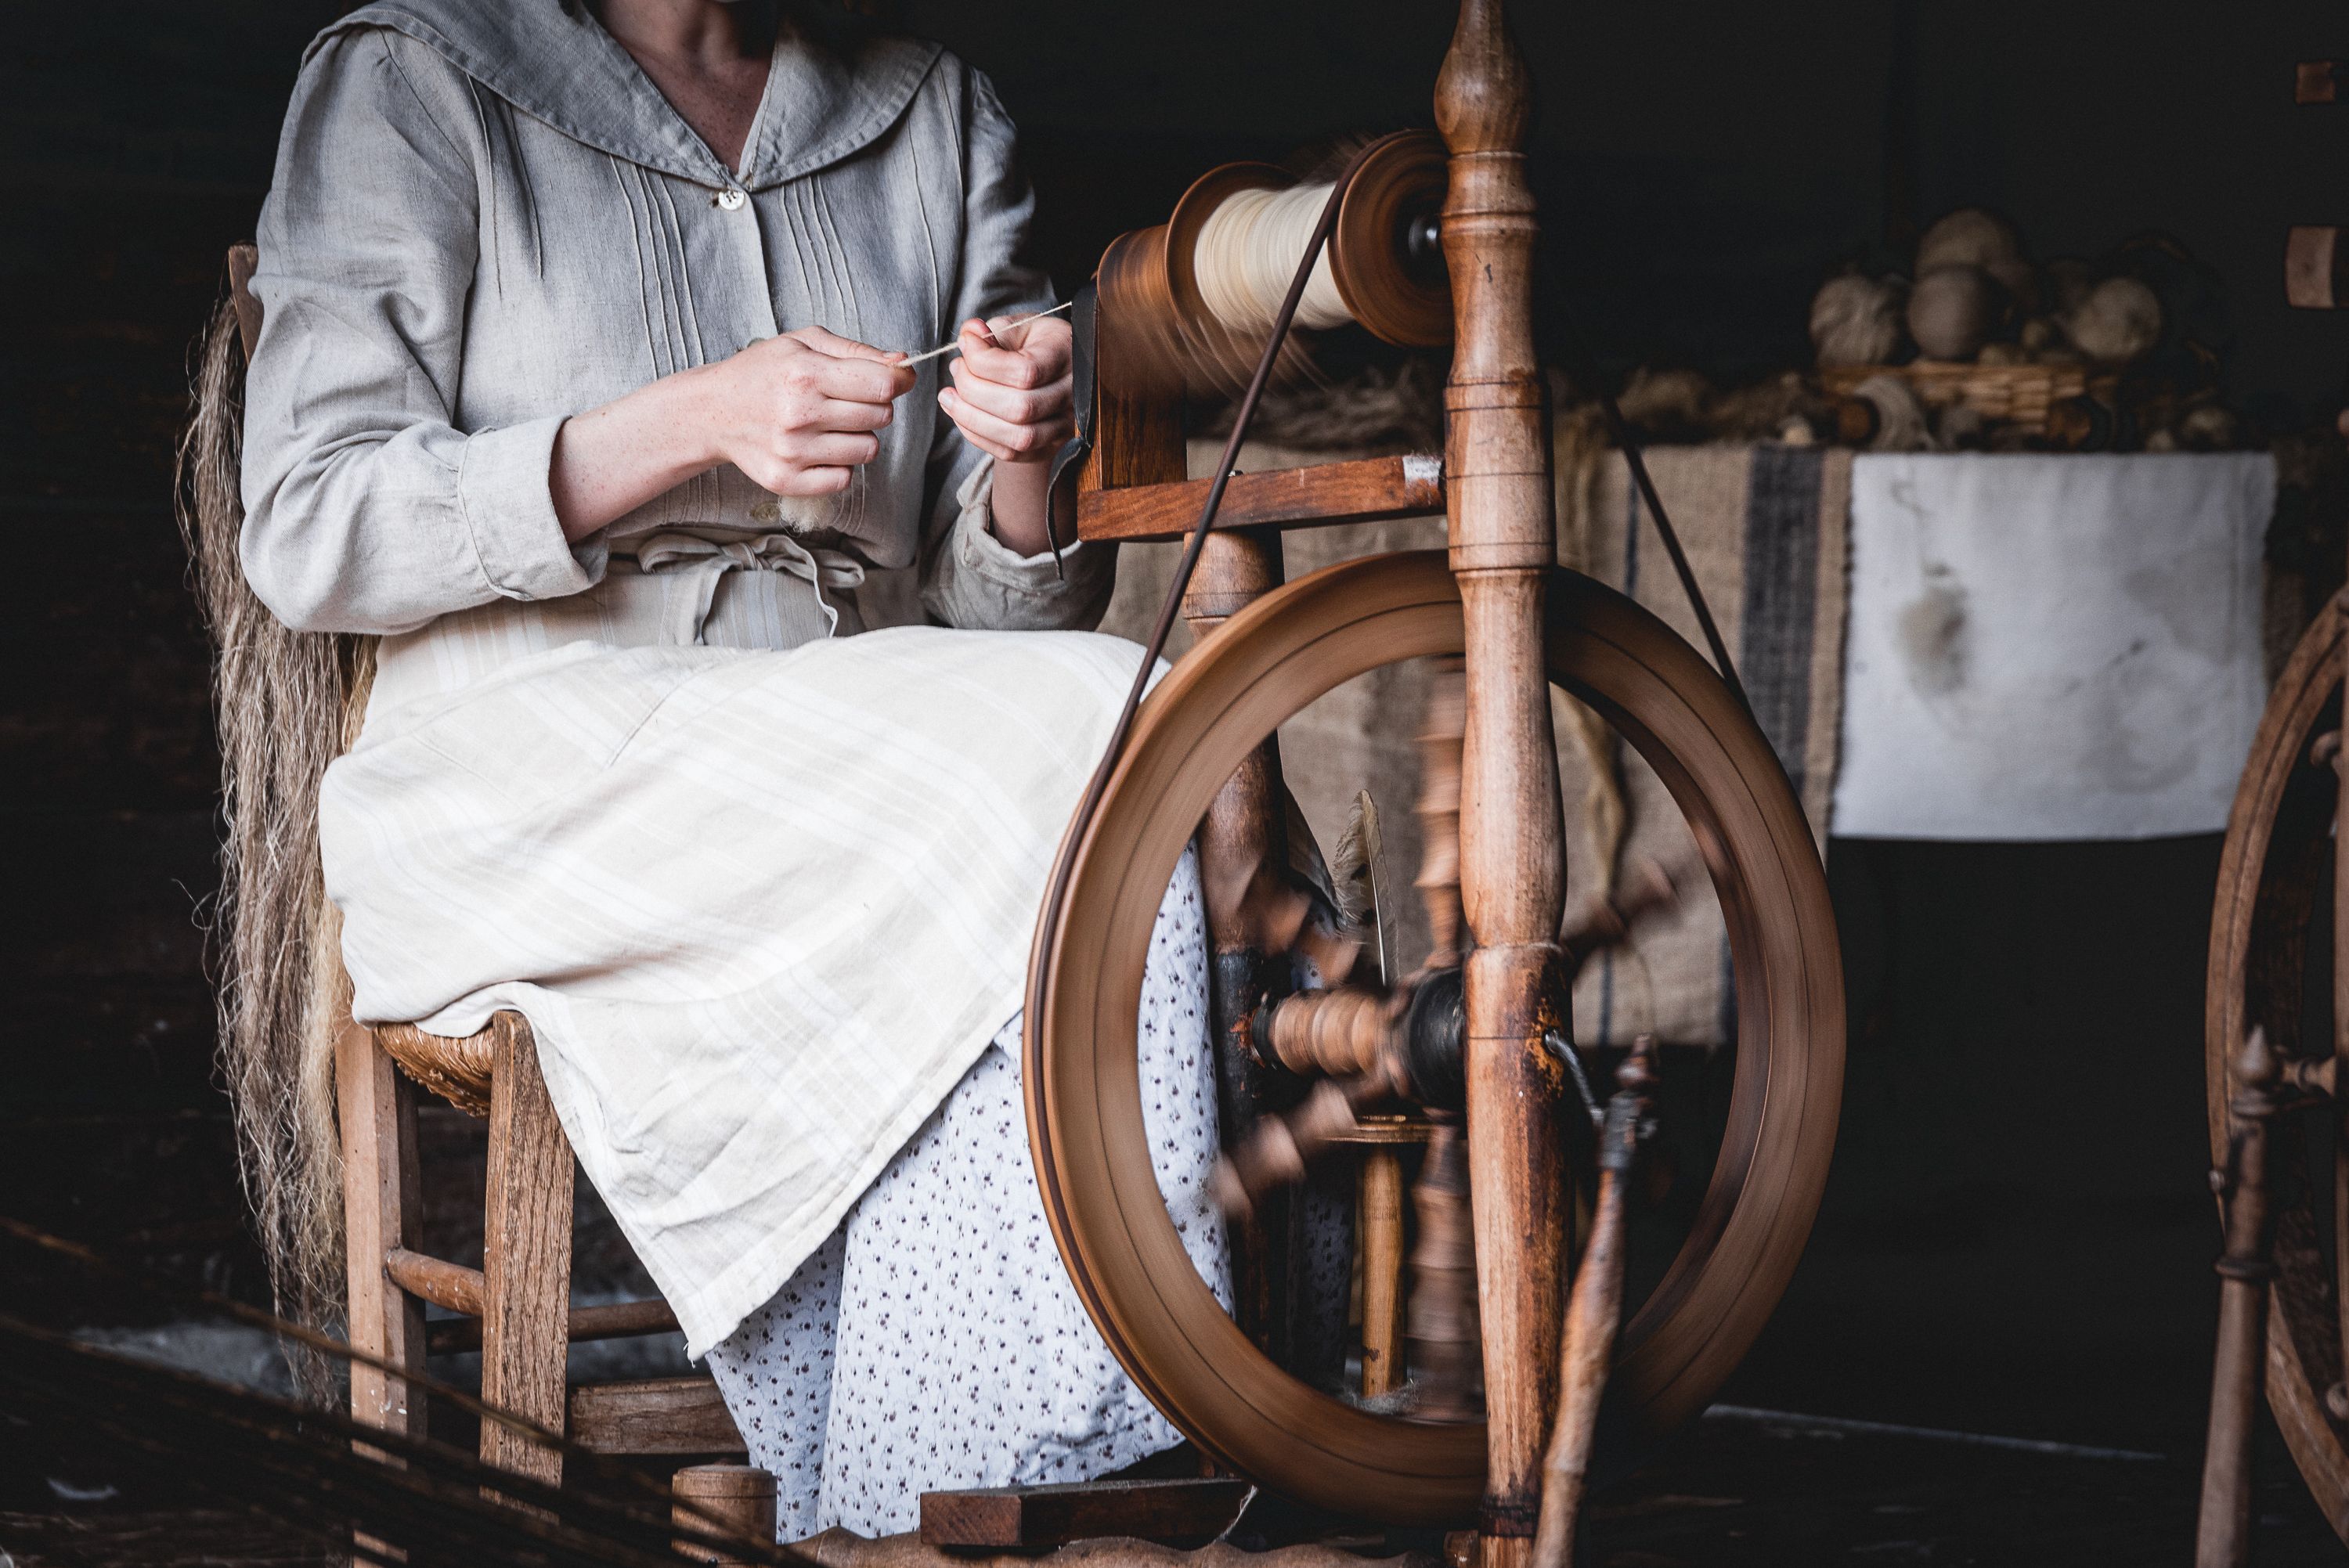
1668,405
1856,320
2117,322
1375,412
1954,309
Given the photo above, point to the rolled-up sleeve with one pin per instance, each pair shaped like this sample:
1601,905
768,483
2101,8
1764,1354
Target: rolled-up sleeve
367,508
970,577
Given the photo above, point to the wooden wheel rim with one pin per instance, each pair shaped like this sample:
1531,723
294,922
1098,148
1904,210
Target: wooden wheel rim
1083,1098
2269,875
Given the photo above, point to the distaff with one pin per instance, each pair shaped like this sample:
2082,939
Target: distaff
797,414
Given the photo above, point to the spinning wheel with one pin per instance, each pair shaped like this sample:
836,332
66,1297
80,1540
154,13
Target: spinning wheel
1204,720
2276,967
1473,1047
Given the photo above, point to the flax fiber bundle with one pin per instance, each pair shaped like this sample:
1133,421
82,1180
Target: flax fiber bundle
284,701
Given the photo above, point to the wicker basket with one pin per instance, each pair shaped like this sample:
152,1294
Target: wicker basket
2017,395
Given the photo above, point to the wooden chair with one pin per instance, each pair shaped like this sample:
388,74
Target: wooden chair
516,1308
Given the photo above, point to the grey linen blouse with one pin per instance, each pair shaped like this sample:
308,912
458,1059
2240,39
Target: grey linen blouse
485,218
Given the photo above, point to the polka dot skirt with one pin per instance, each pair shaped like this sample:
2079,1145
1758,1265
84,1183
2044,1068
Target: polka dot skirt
934,1340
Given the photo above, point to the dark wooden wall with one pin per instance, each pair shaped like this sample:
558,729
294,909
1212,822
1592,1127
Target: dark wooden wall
2023,1128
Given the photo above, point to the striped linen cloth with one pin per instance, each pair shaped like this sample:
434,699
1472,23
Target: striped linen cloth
1766,534
761,909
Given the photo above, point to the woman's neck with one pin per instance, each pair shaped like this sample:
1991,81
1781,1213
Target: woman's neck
709,59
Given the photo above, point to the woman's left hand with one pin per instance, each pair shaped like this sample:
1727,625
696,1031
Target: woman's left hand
1010,393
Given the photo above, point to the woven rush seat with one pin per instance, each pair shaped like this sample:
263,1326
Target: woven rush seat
456,1069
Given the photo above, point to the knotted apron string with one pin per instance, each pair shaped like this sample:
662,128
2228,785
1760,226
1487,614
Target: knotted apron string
703,562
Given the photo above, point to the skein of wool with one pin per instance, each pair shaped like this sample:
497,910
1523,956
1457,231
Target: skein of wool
1953,310
2118,322
1976,237
1856,320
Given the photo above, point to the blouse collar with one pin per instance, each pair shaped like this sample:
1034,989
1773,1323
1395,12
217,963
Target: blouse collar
554,62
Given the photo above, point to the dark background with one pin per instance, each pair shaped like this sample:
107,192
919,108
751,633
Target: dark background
2017,1238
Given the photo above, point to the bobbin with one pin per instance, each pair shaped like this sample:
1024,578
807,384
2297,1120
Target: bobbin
1384,257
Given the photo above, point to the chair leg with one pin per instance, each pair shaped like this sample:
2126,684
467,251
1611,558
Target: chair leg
376,1108
526,1261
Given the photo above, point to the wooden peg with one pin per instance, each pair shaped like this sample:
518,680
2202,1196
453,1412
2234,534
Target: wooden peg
2245,1267
1593,1315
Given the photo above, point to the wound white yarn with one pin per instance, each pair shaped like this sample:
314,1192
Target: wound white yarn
1247,253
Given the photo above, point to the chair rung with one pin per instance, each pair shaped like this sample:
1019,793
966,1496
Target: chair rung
436,1280
463,1290
613,1320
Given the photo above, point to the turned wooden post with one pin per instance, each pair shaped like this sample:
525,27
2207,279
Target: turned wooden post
2246,1265
1243,833
1503,546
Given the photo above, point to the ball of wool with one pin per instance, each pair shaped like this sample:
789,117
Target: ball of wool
1856,320
2118,322
1976,237
1952,311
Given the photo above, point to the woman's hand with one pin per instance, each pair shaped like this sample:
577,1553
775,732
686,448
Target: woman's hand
1010,398
1010,393
795,413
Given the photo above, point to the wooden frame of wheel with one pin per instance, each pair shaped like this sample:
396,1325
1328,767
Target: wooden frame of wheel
2271,874
1083,1098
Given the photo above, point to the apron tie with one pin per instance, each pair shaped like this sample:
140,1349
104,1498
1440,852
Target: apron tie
702,562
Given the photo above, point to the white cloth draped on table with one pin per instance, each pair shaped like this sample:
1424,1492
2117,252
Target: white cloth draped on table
2052,646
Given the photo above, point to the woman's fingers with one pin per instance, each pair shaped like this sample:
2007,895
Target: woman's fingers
839,414
812,360
1021,405
1012,441
824,340
1014,352
812,482
832,448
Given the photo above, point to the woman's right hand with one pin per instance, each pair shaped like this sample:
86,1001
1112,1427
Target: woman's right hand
796,413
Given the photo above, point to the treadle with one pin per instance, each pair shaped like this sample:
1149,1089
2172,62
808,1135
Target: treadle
840,1549
1188,1512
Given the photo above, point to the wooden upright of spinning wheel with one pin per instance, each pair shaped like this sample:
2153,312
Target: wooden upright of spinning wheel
1474,1044
2282,885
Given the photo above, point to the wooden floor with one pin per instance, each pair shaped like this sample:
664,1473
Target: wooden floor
1729,1495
